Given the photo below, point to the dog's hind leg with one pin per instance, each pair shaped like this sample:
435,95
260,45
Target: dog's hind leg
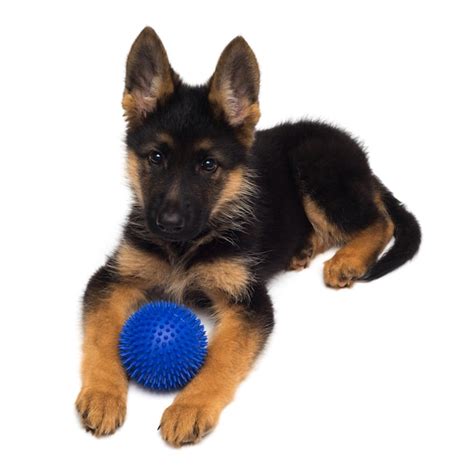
359,249
342,202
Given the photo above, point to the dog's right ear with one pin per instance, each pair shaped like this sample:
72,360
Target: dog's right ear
149,78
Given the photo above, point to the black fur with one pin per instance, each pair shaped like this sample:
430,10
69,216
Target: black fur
407,238
99,285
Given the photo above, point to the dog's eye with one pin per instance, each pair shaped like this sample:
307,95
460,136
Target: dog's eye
156,157
209,165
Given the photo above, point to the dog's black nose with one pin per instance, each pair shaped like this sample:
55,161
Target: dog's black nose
170,221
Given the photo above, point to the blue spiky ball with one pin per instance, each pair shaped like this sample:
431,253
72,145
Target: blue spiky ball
163,345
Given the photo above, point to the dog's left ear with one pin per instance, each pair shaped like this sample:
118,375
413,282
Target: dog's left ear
234,88
149,79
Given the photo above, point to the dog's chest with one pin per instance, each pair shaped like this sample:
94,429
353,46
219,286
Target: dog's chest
231,276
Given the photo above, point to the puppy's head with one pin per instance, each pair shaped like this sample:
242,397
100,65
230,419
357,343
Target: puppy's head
188,146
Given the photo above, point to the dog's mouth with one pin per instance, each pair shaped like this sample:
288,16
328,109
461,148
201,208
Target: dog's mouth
183,236
185,233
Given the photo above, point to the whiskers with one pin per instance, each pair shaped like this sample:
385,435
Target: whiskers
237,214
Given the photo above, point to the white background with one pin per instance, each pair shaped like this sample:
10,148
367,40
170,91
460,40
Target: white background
376,379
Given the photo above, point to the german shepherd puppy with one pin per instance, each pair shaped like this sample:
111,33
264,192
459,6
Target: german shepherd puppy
219,209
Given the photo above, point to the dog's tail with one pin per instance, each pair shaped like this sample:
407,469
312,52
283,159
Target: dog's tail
407,235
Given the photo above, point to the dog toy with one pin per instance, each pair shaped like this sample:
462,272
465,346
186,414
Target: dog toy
163,345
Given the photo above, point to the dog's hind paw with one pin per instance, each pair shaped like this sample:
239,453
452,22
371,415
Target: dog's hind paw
342,271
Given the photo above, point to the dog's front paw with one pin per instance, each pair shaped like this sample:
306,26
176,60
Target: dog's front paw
342,271
102,411
186,422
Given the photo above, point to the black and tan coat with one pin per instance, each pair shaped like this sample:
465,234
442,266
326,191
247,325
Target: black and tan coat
218,210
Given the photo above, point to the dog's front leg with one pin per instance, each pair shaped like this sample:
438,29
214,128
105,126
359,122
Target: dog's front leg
241,332
102,399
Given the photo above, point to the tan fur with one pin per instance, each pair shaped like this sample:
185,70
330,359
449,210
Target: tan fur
383,210
137,105
246,132
327,233
235,203
231,276
204,144
232,187
164,137
102,400
133,176
196,410
146,268
362,249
